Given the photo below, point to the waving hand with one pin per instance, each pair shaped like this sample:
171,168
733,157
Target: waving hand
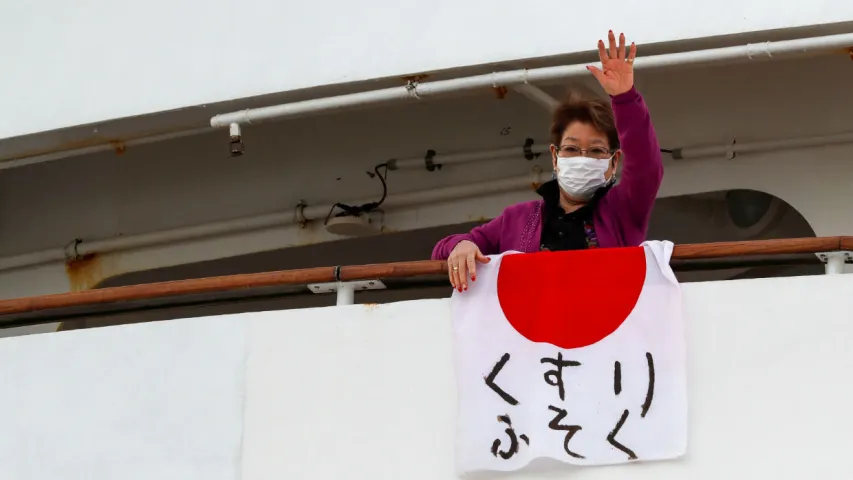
616,74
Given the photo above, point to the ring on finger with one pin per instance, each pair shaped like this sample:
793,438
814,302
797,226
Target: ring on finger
455,268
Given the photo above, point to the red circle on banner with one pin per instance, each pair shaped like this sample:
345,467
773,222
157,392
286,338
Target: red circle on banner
571,299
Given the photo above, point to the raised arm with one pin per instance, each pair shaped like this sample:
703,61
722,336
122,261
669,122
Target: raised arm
642,166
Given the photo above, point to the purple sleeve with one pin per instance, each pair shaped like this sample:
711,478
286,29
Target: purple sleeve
642,167
486,237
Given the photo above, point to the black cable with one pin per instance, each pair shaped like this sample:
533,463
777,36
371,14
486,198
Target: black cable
353,210
382,178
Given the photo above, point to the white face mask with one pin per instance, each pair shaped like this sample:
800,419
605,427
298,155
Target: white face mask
581,177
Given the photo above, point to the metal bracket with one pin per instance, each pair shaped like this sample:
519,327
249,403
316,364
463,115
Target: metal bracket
835,261
346,290
731,153
71,253
431,166
412,89
236,142
299,214
528,150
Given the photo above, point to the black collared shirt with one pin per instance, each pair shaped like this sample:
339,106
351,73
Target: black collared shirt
561,230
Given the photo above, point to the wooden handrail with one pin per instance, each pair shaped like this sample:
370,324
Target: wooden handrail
783,246
380,271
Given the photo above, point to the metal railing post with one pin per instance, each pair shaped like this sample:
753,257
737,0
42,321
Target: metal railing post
835,261
346,290
346,293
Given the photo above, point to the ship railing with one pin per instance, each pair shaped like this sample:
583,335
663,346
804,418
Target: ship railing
834,252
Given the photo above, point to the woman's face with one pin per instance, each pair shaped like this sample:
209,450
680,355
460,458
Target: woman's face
593,143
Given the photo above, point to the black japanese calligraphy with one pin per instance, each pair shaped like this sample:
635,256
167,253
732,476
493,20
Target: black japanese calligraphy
555,377
617,378
611,437
513,440
650,391
571,430
490,381
647,403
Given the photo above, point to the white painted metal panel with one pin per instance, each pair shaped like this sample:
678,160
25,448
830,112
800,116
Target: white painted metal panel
95,60
158,400
368,392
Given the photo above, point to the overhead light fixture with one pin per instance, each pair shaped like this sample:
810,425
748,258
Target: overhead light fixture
354,220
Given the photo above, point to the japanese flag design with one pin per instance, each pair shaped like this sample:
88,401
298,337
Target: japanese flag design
574,356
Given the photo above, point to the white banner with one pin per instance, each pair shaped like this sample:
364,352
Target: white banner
575,356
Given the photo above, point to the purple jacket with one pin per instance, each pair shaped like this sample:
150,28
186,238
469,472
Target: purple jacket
621,217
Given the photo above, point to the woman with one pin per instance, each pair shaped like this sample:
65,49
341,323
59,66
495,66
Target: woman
581,208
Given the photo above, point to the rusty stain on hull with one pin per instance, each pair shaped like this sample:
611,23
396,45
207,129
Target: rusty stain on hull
118,147
83,274
86,272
